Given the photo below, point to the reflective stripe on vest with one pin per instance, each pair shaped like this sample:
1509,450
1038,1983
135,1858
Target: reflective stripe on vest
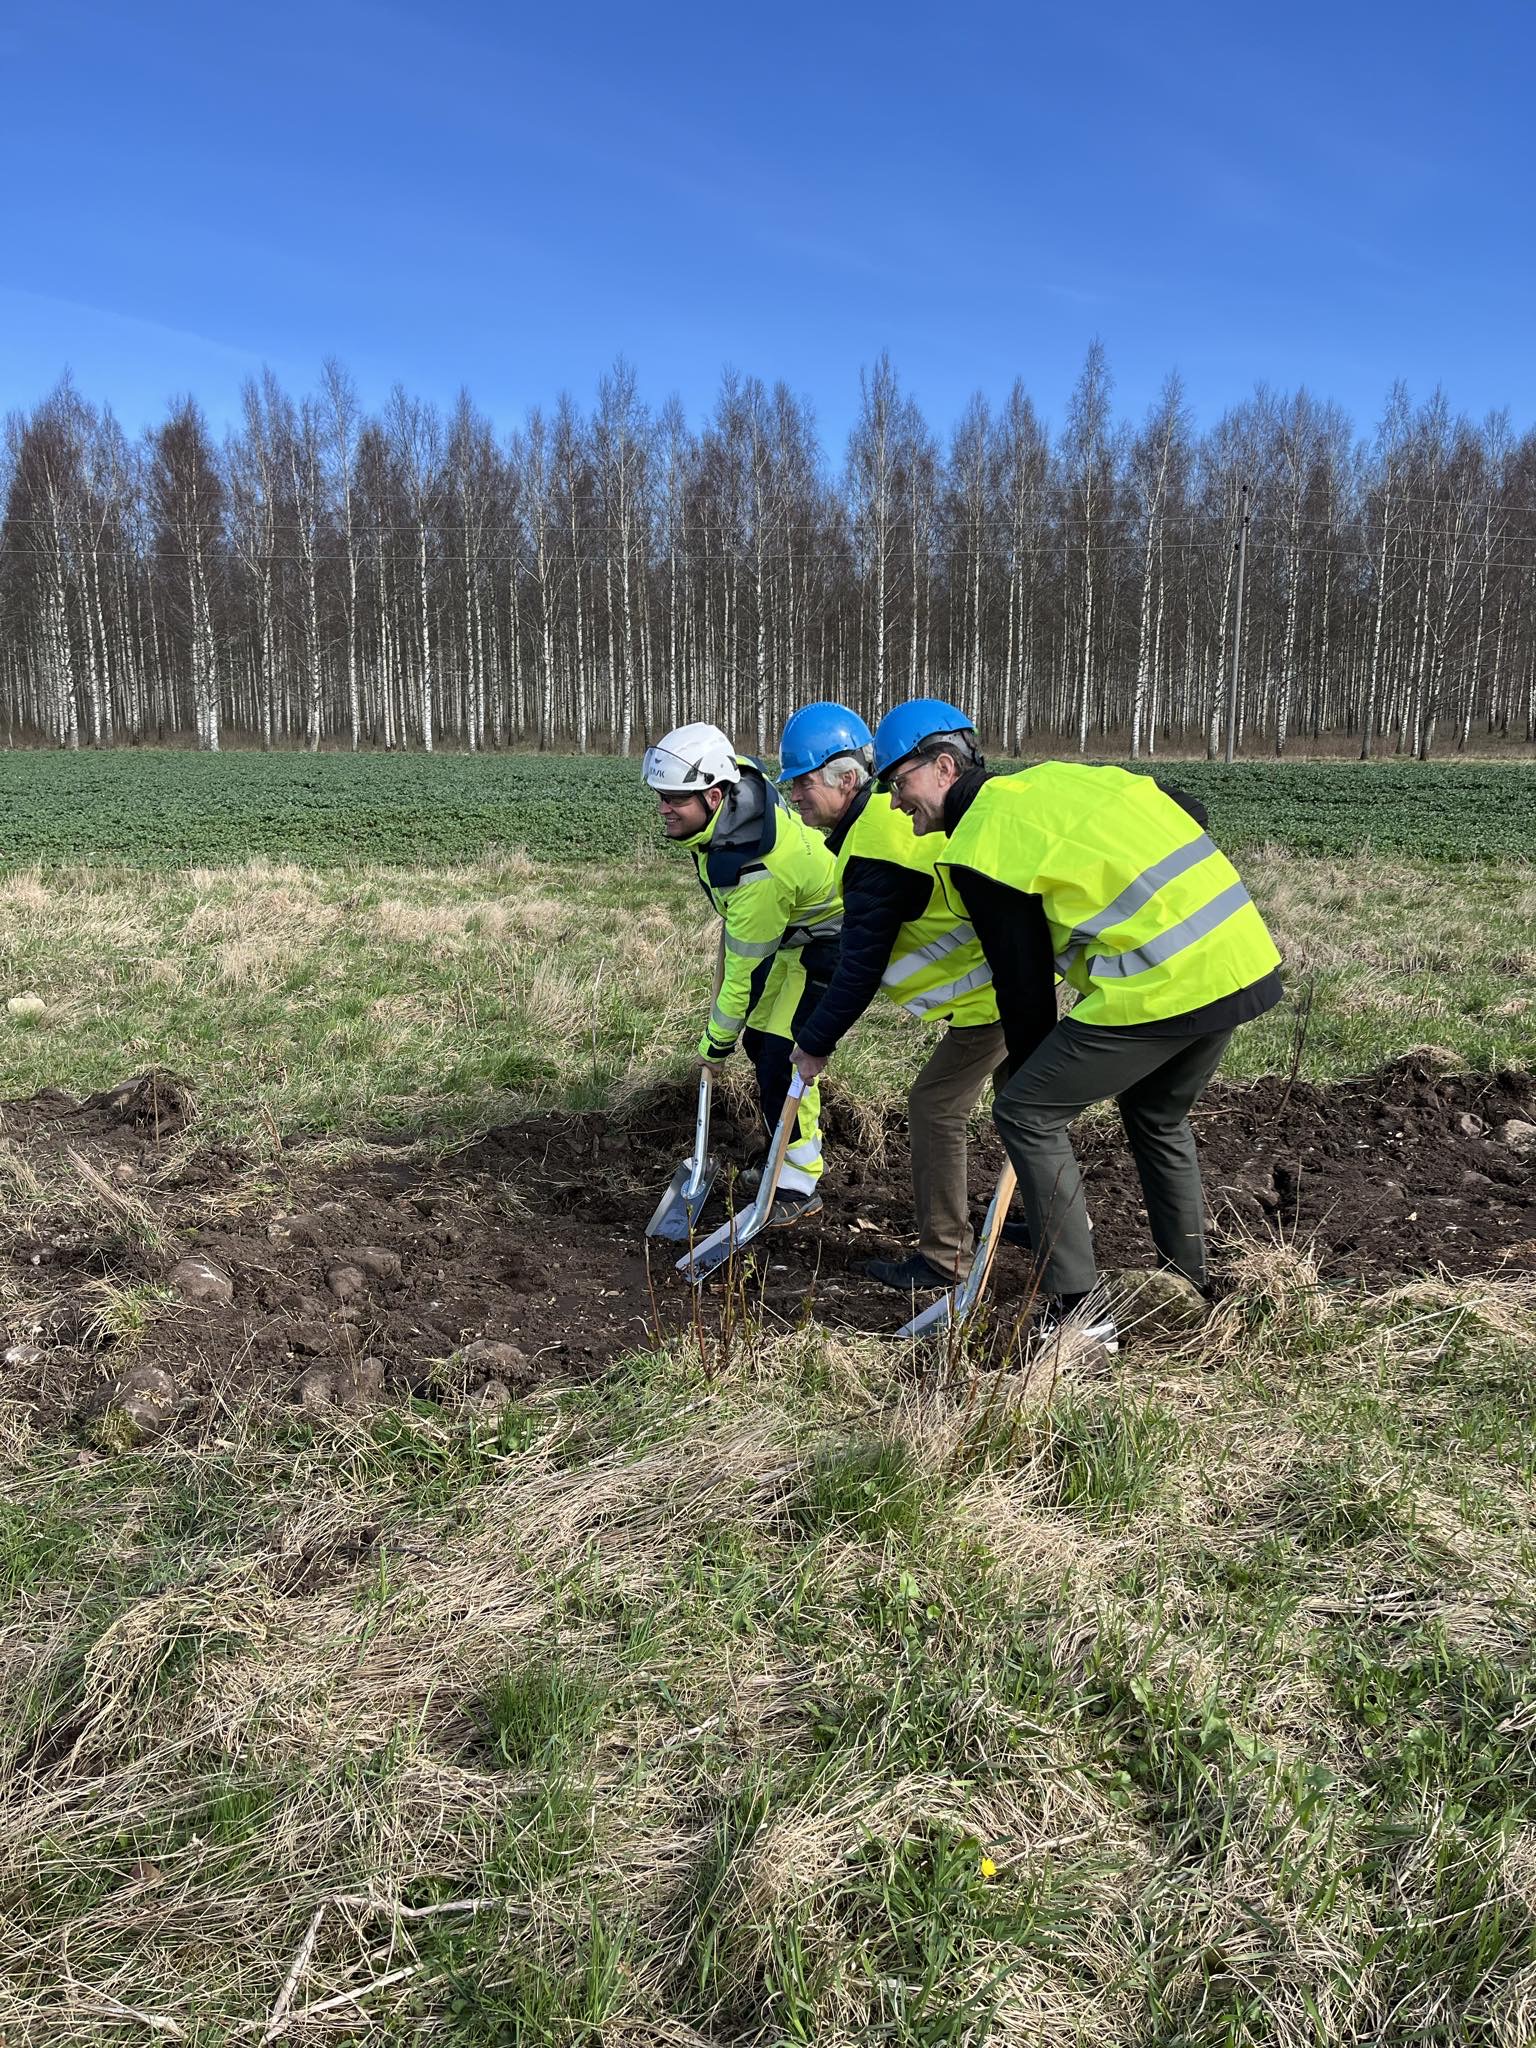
951,992
802,935
820,921
1178,929
1133,896
938,950
1176,939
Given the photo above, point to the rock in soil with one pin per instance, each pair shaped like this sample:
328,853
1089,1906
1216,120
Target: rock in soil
347,1283
349,1384
141,1404
1519,1136
1152,1300
316,1388
377,1264
199,1279
487,1401
507,1362
155,1105
297,1230
360,1383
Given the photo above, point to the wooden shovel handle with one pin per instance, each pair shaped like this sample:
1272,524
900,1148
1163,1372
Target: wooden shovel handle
773,1166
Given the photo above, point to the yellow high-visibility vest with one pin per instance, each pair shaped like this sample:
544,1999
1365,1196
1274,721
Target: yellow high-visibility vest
937,968
1148,919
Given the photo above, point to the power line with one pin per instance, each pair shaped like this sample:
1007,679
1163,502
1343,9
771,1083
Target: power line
1003,521
745,558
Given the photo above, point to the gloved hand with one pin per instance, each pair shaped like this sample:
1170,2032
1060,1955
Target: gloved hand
714,1049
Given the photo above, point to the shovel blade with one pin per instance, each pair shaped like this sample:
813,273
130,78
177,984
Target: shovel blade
695,1198
956,1308
933,1318
720,1246
678,1212
671,1217
738,1230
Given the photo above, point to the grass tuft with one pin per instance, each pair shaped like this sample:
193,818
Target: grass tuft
542,1713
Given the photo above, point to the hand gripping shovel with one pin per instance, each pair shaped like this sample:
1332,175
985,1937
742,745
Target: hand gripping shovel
954,1308
678,1211
740,1229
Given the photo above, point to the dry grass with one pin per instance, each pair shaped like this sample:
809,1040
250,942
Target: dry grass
1052,1698
783,1692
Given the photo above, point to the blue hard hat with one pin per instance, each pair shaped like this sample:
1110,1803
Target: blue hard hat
902,731
818,732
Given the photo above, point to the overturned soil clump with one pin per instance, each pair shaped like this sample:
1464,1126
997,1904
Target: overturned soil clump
521,1258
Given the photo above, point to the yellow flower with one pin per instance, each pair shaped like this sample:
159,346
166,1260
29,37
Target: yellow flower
988,1867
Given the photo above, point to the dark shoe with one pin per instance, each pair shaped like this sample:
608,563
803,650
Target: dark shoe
1055,1325
792,1207
914,1275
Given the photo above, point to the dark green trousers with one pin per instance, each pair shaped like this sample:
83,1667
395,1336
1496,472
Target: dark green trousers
1154,1082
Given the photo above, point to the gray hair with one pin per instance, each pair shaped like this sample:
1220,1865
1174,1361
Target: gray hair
833,771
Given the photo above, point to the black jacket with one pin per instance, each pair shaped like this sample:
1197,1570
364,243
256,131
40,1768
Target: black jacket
878,899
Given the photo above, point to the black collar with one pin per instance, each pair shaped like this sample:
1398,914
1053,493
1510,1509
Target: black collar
961,794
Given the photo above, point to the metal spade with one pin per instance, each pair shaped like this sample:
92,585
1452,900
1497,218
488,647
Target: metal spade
740,1229
678,1211
953,1308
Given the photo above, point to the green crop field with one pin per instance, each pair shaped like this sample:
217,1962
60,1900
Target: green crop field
149,809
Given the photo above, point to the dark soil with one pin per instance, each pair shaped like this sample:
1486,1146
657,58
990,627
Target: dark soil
532,1236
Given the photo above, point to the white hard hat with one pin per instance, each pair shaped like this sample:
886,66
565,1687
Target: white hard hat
693,758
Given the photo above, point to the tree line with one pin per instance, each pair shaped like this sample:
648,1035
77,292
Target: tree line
411,579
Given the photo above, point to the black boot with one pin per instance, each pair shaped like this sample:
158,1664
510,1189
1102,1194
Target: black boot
914,1275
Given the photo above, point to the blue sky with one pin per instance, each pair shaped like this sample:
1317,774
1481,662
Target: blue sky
508,197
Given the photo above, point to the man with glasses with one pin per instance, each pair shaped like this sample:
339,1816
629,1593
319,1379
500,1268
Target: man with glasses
900,939
1107,878
771,882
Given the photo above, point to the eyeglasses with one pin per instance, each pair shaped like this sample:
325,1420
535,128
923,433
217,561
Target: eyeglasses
898,779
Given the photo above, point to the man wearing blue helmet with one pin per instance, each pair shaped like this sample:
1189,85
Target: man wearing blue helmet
1110,880
901,938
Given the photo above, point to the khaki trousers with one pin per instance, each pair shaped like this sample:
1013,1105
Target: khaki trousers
939,1108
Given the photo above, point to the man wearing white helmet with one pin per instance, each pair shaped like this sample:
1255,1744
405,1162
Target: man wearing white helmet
771,881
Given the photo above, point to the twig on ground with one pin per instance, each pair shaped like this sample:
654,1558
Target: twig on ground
110,2008
280,2018
276,2018
358,1903
341,1998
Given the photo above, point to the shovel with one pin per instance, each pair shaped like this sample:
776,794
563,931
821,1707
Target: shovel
740,1229
678,1211
951,1310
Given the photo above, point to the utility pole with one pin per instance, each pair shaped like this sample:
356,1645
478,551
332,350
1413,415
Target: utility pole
1237,628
